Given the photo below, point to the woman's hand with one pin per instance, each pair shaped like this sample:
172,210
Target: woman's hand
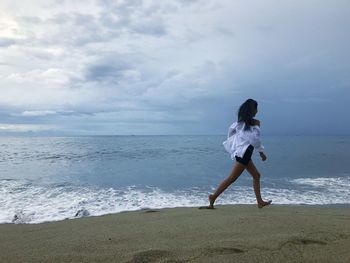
263,156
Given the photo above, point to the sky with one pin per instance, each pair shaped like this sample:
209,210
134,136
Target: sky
147,67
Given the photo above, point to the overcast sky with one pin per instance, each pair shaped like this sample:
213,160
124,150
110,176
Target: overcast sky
173,66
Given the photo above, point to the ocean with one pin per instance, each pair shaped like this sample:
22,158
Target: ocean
54,178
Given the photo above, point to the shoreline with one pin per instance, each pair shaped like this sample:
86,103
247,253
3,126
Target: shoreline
344,206
230,233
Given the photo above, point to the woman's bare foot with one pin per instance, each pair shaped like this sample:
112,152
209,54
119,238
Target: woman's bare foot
263,203
211,202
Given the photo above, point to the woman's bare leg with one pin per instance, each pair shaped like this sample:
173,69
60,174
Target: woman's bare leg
256,184
237,170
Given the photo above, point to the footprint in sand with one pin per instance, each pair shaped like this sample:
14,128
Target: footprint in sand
304,241
223,251
150,211
152,255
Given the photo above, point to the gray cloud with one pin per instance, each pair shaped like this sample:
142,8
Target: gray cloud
175,66
105,72
131,17
6,42
34,20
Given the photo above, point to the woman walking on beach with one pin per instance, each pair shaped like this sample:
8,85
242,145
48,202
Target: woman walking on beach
243,137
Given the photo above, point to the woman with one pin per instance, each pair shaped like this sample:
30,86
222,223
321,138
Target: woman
243,137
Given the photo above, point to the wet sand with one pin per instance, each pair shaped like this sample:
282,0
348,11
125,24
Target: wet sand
235,233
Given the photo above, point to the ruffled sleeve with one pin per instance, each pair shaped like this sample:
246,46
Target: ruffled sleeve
255,139
229,143
232,130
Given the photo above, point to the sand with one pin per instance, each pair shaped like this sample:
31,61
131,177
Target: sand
239,233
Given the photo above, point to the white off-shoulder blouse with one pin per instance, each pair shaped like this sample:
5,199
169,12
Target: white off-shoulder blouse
238,139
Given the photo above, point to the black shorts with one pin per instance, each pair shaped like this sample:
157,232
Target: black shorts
247,156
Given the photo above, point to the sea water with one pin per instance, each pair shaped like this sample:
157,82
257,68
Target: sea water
54,178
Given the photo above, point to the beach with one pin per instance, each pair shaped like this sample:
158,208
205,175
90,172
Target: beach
229,233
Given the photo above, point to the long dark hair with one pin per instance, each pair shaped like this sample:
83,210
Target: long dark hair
247,112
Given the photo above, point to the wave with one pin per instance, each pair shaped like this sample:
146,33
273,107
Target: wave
22,201
335,183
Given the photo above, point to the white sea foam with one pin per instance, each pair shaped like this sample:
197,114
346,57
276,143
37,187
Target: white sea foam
334,183
24,202
324,190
